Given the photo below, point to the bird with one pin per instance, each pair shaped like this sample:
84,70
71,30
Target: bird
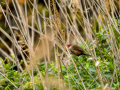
76,50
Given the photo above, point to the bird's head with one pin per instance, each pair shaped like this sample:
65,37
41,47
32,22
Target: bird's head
69,45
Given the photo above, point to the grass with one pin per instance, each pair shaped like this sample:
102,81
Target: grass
38,36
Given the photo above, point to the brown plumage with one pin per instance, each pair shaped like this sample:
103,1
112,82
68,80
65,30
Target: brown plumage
76,50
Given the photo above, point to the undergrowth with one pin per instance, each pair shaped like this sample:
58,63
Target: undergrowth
33,53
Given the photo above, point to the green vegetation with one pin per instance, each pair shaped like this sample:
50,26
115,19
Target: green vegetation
106,65
34,38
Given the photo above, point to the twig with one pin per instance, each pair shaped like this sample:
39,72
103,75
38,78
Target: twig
9,81
71,76
85,69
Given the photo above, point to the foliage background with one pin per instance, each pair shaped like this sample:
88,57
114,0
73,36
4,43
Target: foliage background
33,39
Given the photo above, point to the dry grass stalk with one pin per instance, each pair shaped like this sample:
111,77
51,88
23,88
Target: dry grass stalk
58,40
57,21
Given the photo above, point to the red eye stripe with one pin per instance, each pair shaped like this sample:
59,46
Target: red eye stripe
68,46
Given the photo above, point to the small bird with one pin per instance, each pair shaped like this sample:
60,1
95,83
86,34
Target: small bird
76,50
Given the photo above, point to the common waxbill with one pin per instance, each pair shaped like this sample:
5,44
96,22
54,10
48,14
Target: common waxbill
76,50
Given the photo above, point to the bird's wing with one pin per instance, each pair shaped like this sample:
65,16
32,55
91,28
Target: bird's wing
78,48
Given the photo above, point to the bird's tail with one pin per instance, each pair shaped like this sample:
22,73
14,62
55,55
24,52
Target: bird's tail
86,54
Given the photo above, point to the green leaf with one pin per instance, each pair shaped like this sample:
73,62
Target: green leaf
107,75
